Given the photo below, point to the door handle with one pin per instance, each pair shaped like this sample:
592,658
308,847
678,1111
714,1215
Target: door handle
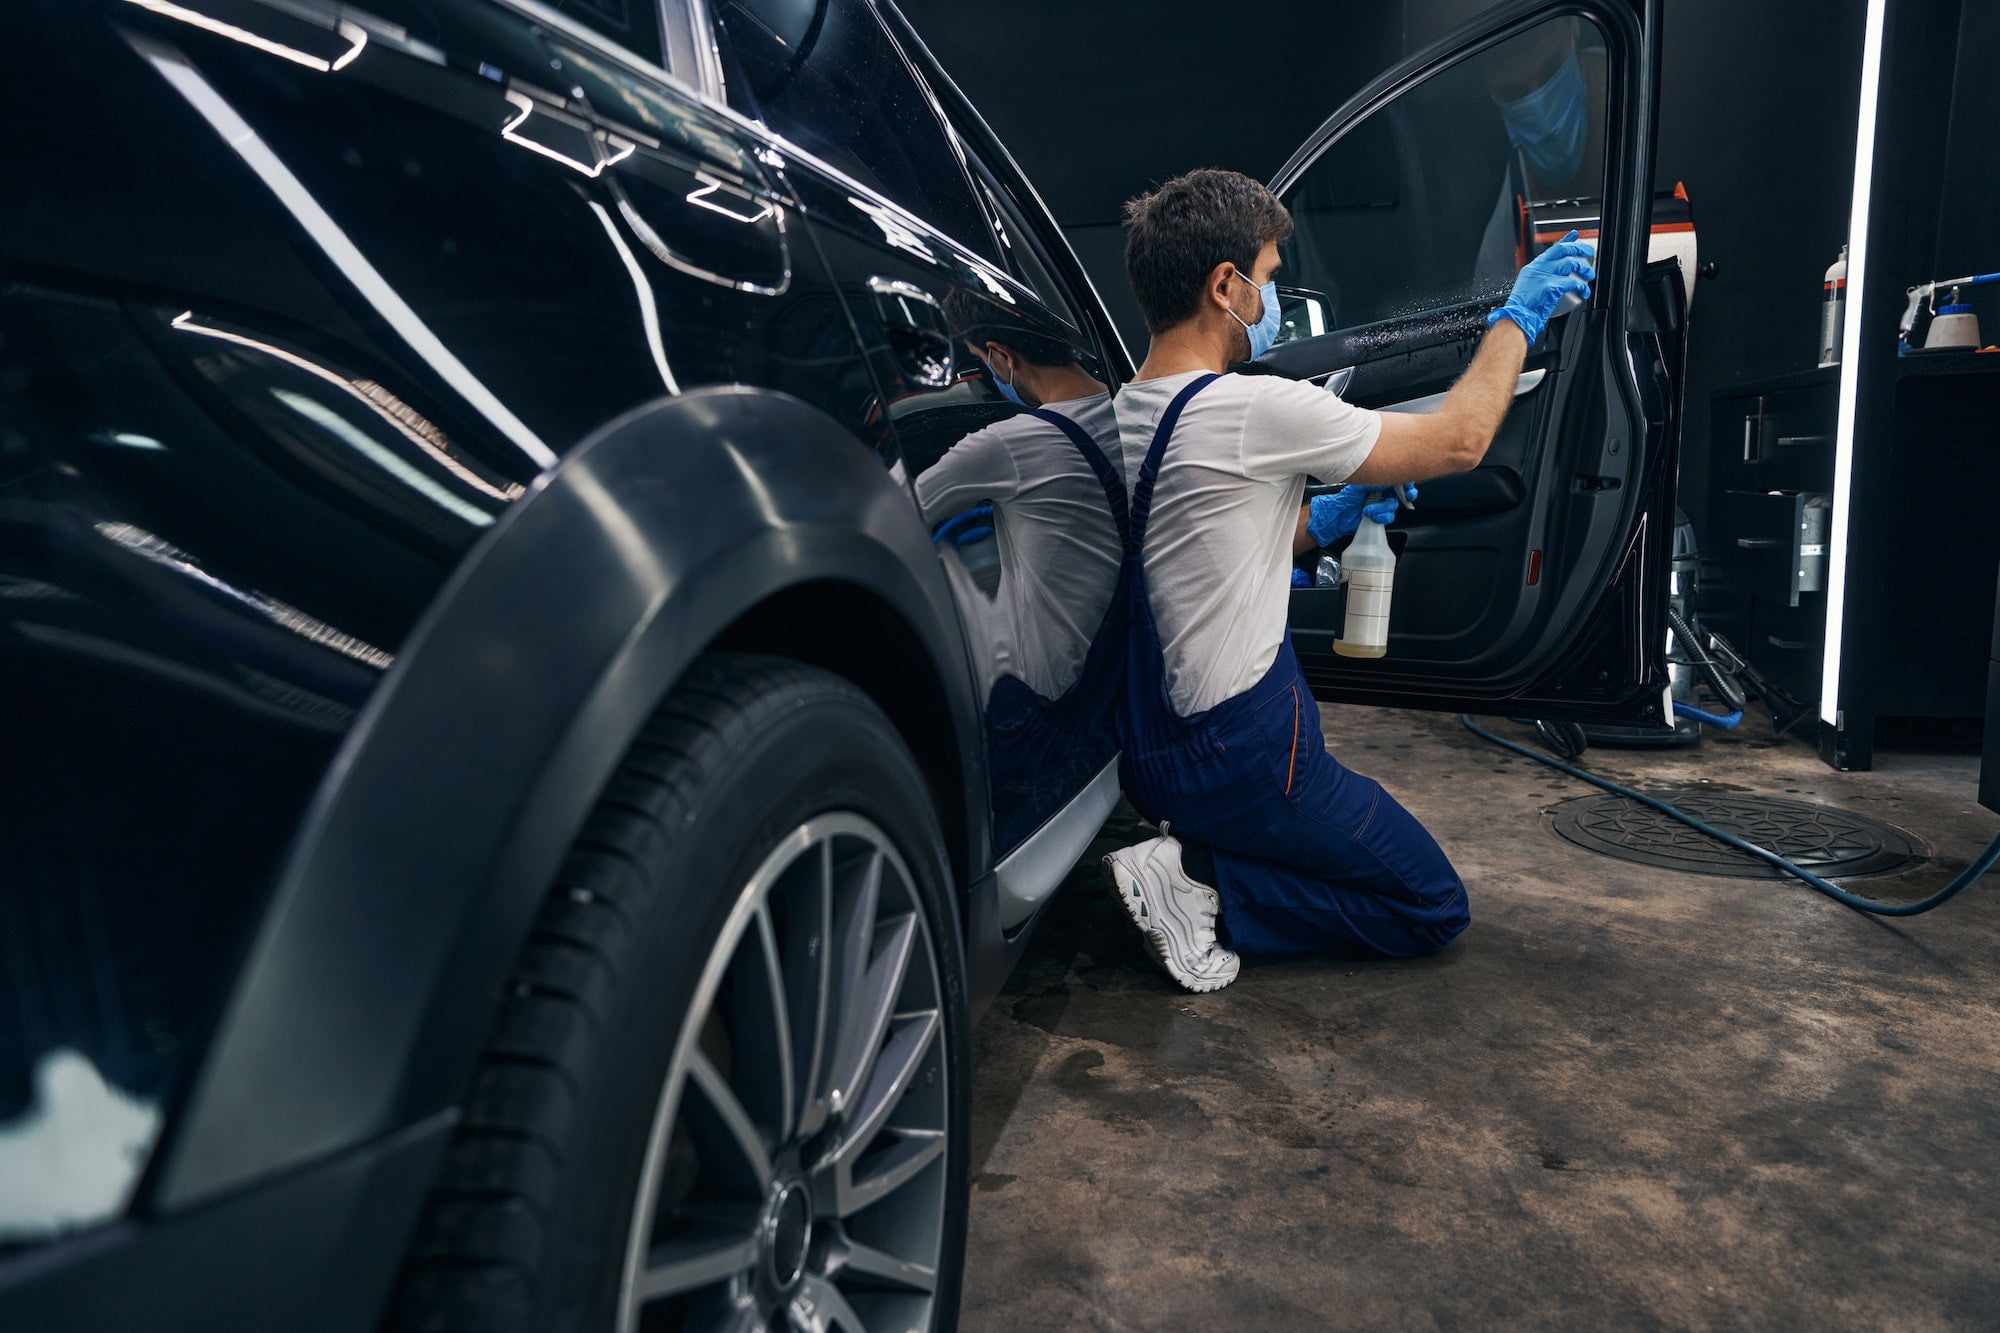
1432,402
1337,381
919,334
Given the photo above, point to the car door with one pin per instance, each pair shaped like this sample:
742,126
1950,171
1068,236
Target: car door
1534,584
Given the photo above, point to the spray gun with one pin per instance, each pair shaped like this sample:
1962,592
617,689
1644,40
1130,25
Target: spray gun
1926,294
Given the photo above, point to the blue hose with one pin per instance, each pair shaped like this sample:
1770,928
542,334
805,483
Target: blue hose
1980,865
1727,721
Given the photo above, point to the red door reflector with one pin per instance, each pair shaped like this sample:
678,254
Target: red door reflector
1534,568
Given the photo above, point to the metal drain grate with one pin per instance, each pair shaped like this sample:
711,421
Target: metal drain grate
1831,843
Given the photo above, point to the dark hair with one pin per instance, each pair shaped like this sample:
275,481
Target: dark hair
1178,233
980,319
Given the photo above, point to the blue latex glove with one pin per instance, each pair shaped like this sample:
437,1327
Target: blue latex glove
1563,270
1301,579
974,525
1339,513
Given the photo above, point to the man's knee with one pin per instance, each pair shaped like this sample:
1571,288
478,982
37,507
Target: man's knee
1445,926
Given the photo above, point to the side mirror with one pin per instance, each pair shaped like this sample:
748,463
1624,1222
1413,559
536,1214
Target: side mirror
1302,313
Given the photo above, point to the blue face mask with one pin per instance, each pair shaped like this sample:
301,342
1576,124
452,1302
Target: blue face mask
1550,124
1006,388
1264,332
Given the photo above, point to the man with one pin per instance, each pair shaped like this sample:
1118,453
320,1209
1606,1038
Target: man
1058,507
1220,736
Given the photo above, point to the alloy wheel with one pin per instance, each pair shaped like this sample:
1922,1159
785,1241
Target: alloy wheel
795,1177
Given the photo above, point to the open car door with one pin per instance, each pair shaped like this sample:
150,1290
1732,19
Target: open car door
1536,584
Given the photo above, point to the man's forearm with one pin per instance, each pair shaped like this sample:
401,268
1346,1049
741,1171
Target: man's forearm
1478,403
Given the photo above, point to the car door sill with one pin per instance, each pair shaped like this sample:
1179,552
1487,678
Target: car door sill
1027,875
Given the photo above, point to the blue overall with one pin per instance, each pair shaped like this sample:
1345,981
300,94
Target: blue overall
1042,751
1308,855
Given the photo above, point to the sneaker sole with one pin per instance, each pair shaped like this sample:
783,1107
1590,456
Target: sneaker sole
1132,900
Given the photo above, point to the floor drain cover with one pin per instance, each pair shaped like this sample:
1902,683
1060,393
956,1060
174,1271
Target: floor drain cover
1831,843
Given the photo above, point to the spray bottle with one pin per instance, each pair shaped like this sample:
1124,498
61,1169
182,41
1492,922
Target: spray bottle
1368,568
1833,312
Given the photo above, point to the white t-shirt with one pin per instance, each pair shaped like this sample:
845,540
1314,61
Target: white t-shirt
1225,510
1059,547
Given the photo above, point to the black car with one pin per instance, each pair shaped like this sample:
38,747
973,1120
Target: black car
502,822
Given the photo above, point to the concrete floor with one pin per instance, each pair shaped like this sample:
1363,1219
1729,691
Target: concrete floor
1624,1097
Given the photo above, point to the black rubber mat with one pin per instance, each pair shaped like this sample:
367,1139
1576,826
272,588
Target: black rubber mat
1834,844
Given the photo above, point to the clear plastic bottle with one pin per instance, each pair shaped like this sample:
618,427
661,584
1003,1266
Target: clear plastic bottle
1368,568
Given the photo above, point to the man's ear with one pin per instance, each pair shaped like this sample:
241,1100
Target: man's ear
1219,279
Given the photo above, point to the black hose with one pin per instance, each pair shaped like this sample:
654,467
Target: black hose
1980,865
1718,680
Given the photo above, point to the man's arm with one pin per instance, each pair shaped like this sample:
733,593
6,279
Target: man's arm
1454,438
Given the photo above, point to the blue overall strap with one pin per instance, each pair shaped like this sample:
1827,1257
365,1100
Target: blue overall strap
1107,476
1149,471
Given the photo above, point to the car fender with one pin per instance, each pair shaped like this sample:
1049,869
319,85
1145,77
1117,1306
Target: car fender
416,874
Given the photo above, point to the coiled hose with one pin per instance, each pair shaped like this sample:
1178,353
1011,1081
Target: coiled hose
1980,865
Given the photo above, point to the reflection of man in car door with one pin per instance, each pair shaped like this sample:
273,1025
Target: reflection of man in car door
1058,508
1221,738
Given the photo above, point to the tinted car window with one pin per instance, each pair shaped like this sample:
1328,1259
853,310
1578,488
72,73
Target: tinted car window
633,24
824,74
1437,198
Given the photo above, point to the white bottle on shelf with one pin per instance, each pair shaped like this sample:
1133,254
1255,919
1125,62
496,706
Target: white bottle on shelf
1368,568
1833,311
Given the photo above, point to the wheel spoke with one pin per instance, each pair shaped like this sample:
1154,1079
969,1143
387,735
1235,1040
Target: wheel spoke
909,1044
762,1005
882,1174
809,983
729,1128
867,1262
869,1008
691,1263
819,1307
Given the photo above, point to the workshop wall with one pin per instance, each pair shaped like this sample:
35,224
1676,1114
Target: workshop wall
1968,239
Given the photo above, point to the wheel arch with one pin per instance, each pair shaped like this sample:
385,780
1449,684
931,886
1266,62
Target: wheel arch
721,518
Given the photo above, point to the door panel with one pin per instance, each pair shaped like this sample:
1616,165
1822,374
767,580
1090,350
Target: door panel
1533,580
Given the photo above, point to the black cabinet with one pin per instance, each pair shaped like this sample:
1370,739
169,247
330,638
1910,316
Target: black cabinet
1916,623
1764,556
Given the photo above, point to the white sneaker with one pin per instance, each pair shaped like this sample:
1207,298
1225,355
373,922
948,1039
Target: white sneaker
1175,914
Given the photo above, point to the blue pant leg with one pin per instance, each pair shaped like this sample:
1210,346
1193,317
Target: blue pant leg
1331,860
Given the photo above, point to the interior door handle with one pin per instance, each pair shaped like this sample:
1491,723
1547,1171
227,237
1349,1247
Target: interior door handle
1337,381
1430,402
919,334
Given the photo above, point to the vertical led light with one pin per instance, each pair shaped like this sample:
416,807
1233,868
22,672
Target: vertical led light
1850,361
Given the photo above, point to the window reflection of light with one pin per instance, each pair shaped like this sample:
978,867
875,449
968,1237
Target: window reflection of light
357,439
163,553
403,418
649,310
527,105
894,230
702,199
336,245
355,35
126,439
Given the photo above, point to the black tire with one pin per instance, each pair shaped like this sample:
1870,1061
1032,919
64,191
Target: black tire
529,1224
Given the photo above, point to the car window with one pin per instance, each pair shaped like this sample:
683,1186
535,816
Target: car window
1437,198
825,75
633,24
1019,250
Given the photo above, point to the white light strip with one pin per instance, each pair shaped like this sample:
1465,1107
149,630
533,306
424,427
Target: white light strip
326,233
251,39
1850,360
649,310
511,491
